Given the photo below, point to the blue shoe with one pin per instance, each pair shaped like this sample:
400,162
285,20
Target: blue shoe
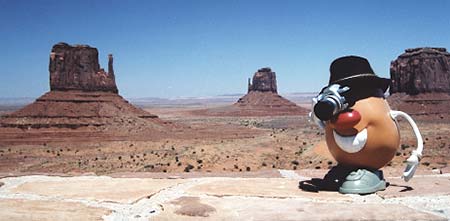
363,181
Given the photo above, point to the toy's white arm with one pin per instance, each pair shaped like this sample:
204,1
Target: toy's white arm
413,161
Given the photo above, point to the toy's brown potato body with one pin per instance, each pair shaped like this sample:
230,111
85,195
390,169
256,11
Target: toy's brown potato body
383,137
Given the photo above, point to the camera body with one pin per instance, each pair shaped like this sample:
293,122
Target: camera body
329,103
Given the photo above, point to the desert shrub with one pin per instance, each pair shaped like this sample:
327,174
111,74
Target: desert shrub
188,168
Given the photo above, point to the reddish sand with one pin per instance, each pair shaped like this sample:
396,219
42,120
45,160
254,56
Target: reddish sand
194,143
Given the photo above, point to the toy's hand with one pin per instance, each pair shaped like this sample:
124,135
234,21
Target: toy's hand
411,165
314,119
312,116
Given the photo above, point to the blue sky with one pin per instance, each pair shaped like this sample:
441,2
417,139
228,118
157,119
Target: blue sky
183,48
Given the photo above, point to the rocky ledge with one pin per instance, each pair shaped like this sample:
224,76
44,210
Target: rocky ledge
274,195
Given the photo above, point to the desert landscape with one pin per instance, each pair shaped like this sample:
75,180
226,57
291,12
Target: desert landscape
224,110
82,125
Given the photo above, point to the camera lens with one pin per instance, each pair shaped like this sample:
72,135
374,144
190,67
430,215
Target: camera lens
325,109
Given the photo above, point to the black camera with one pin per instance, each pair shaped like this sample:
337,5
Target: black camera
330,102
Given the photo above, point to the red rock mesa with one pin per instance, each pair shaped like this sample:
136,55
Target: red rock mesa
82,96
421,82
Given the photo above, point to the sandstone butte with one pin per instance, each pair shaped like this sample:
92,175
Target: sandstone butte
262,99
421,82
82,96
77,68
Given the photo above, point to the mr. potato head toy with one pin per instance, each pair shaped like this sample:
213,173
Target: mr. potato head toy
361,130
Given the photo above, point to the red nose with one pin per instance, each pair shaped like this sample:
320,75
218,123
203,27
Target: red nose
348,119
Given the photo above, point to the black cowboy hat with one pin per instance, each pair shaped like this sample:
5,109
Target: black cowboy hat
354,71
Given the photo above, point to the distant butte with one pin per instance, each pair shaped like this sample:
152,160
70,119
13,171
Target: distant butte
84,97
421,82
264,80
421,70
262,99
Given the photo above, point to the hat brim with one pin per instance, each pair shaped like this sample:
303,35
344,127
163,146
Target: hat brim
365,80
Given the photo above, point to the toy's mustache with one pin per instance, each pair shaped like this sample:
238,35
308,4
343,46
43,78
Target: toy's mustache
351,144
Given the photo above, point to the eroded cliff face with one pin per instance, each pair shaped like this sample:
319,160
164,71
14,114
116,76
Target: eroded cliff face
421,83
421,70
264,80
77,68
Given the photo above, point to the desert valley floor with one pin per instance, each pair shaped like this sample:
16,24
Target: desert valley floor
198,144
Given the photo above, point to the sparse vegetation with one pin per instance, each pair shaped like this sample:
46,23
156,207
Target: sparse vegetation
188,168
251,149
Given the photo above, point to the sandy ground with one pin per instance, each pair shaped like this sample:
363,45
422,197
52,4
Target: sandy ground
206,144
